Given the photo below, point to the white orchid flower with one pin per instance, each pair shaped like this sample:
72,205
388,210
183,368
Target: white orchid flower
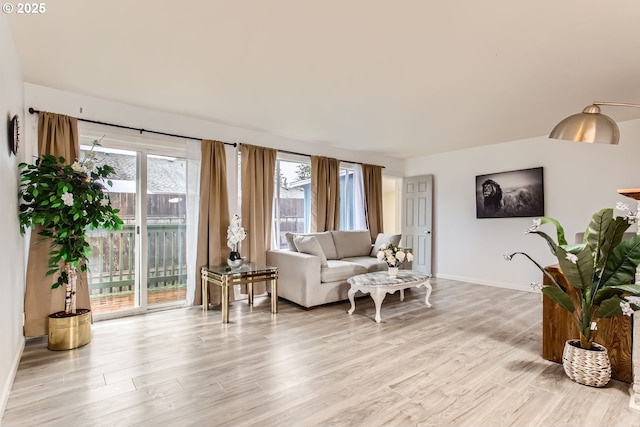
621,206
631,216
633,300
235,233
67,199
536,286
572,257
535,224
77,167
626,308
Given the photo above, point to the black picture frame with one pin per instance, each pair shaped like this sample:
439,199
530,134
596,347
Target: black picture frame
13,130
512,194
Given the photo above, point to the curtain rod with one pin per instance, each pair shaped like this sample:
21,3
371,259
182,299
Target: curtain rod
34,111
233,144
309,155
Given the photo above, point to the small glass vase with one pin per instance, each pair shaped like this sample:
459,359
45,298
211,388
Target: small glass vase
234,260
393,272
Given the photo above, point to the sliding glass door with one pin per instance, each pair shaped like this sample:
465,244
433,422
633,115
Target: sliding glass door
144,265
113,263
166,230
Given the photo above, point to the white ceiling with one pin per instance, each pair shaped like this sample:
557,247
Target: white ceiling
399,77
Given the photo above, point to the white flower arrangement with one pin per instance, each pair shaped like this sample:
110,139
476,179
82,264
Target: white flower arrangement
393,255
235,233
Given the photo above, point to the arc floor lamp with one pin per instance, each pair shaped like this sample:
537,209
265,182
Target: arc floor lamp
590,125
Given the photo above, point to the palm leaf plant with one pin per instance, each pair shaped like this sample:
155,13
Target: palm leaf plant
601,269
63,201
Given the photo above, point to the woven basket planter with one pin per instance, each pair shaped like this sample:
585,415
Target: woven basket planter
588,367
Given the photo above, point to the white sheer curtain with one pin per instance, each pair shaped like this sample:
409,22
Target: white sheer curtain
193,206
359,209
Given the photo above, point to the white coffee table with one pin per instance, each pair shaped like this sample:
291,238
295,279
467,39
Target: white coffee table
379,284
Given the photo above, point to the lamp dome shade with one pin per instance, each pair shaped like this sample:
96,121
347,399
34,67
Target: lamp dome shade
589,126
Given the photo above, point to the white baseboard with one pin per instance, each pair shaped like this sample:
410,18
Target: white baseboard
633,403
493,283
6,388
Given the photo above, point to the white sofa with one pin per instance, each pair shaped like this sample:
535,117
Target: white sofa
315,268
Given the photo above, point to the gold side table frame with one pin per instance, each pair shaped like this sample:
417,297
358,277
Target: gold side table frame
247,274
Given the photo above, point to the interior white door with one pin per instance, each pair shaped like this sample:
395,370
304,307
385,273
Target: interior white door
417,197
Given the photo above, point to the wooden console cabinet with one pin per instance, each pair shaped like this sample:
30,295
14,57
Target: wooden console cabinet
559,326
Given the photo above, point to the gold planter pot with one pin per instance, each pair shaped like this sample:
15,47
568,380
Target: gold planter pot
66,333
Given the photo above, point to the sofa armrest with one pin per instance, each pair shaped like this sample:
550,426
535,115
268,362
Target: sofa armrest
297,274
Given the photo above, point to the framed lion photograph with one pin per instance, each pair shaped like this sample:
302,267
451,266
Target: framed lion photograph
510,194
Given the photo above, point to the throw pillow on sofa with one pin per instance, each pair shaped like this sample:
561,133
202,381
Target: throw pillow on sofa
324,238
292,246
384,239
352,243
310,245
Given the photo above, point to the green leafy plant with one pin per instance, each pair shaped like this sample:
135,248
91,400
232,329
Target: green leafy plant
62,201
601,269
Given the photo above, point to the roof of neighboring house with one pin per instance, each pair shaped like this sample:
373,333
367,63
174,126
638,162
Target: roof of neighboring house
291,193
164,174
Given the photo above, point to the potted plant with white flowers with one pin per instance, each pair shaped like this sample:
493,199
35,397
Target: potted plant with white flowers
394,256
601,270
62,201
235,234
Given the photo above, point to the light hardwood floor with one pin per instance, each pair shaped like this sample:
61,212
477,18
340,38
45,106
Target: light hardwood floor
473,359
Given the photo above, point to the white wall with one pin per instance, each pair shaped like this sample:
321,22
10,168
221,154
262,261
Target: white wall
579,179
391,201
47,99
12,263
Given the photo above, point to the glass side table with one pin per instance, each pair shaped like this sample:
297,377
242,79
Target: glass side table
247,274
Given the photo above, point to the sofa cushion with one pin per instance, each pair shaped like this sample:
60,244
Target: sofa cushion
370,263
289,236
384,239
310,245
338,270
324,238
351,243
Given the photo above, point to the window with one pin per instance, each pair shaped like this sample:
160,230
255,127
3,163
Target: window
347,220
292,199
352,203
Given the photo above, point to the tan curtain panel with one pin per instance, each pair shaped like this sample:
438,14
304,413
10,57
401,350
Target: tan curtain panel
213,217
257,175
57,136
372,177
325,194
